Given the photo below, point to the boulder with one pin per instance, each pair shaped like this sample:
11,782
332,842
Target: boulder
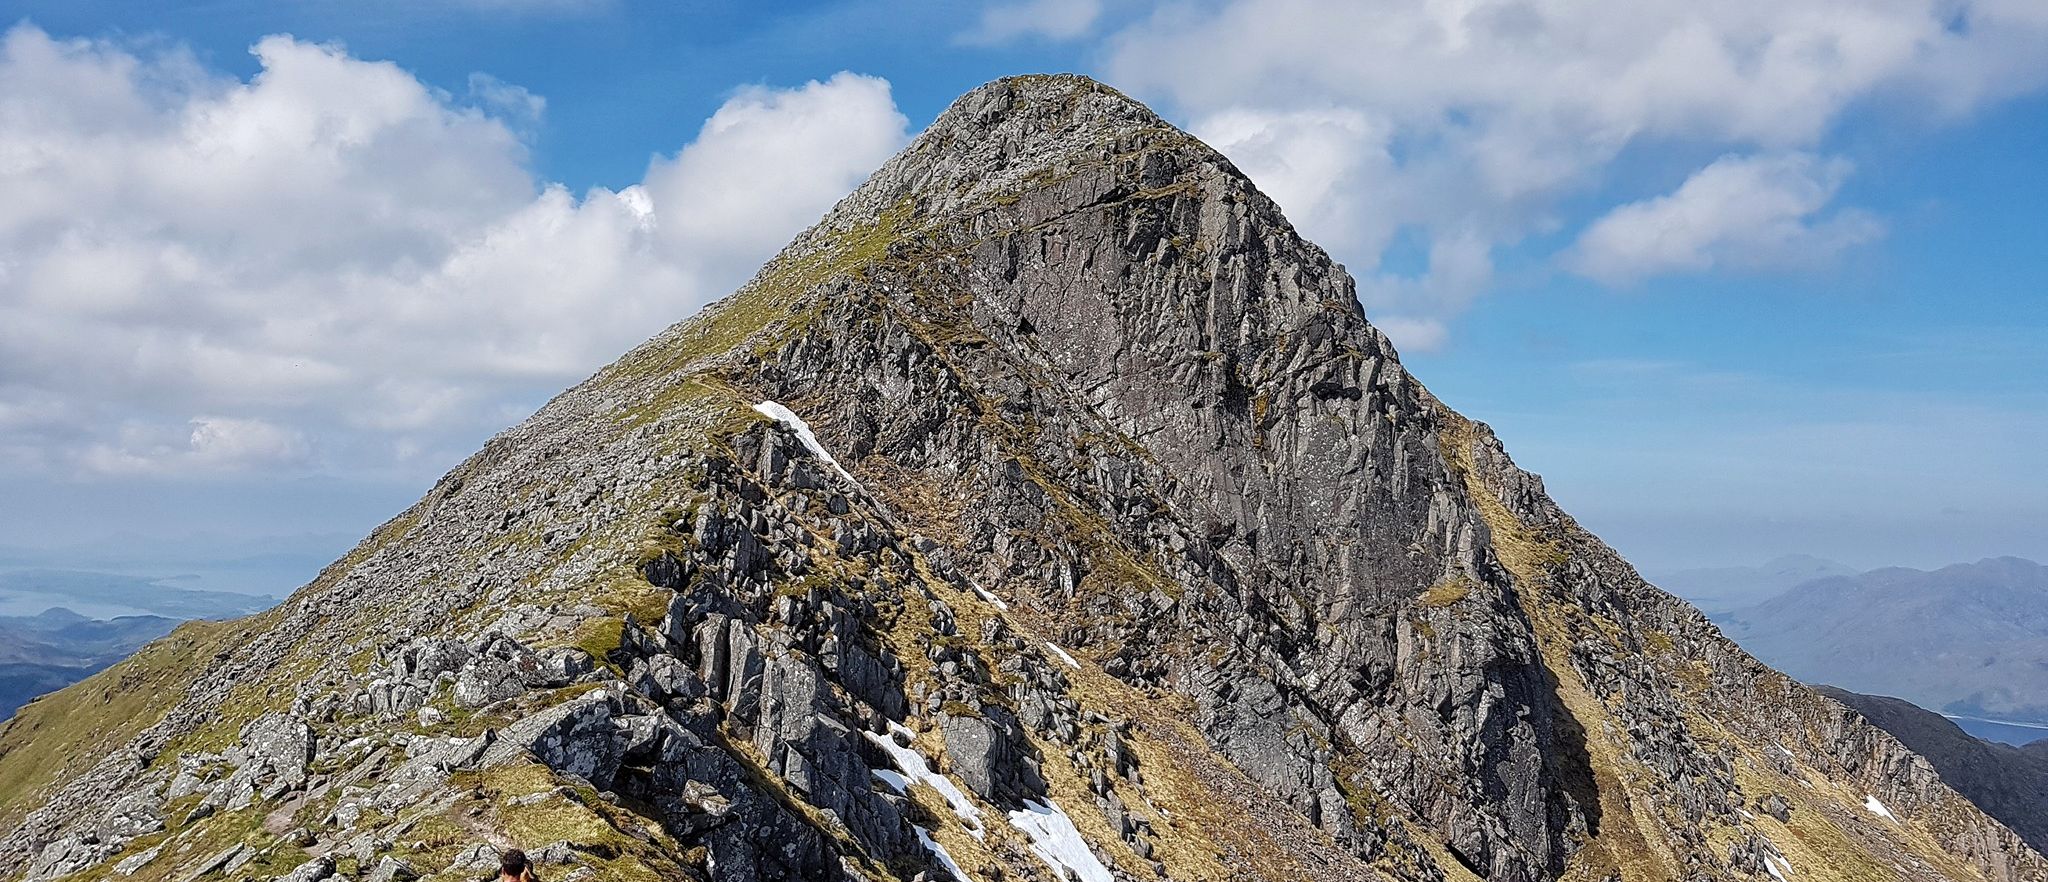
485,680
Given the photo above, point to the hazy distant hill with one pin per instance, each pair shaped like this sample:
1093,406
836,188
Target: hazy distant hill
58,646
1967,639
111,594
20,682
1720,589
46,652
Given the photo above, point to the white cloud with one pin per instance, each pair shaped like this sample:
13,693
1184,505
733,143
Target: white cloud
769,162
1003,22
1316,163
1485,118
508,101
209,444
1741,211
345,261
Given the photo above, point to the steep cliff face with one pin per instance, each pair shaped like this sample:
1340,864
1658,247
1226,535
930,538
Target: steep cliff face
1050,510
2009,783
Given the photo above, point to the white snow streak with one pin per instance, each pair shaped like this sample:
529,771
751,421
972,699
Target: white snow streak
1771,864
1055,840
939,851
1063,655
803,431
915,769
894,779
993,600
1877,808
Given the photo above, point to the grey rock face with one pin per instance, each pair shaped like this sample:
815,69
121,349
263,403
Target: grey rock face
277,747
138,814
314,870
428,658
485,679
67,855
991,756
1268,419
580,738
391,869
132,864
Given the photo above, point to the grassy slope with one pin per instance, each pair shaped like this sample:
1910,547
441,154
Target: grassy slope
65,733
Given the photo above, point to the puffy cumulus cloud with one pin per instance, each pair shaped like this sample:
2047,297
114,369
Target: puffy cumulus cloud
1481,118
769,162
1315,163
1741,211
210,444
333,262
1003,22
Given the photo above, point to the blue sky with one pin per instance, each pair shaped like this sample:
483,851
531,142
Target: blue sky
1762,278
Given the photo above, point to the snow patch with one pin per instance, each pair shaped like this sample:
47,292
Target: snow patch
803,431
1063,655
916,770
894,779
993,600
1056,841
1877,808
1778,867
939,851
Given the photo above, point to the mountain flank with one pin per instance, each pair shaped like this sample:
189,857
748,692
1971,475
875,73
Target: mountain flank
1048,511
2011,783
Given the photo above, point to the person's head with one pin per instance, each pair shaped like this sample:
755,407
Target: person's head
513,864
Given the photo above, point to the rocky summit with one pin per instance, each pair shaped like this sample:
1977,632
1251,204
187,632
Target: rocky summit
1048,511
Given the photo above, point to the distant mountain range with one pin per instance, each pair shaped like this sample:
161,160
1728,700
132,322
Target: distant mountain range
1968,639
1722,589
108,595
58,647
60,626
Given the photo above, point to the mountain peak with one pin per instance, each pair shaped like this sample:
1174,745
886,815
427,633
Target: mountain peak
1016,134
1049,510
1050,102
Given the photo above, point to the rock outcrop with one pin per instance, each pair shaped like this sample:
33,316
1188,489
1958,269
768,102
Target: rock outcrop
1051,511
2009,783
